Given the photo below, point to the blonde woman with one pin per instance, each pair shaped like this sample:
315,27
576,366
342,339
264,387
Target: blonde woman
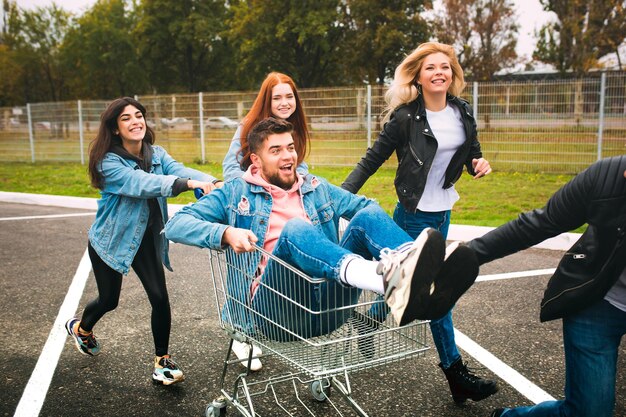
434,134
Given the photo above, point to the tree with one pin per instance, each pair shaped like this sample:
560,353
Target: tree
10,75
298,37
381,34
483,33
586,30
10,71
181,44
6,8
99,54
33,39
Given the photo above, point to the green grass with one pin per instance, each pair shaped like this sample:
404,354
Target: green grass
489,201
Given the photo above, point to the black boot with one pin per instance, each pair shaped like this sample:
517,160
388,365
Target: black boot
464,384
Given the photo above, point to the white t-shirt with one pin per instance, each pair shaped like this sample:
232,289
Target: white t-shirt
448,129
617,294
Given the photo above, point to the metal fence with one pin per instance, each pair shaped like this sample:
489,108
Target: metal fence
533,126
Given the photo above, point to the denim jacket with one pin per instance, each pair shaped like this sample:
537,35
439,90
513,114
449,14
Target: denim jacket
231,168
123,210
248,206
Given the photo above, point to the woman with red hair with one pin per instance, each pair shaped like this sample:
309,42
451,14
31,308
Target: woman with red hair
278,97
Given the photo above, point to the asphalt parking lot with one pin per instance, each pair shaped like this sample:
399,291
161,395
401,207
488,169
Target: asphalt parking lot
41,248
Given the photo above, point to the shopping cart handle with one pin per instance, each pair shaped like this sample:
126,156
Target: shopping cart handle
198,193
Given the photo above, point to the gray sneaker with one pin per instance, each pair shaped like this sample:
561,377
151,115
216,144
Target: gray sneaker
408,276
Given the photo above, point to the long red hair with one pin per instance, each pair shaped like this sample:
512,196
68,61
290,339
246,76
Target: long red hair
262,108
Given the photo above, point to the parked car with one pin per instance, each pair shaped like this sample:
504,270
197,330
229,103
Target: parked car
220,122
43,125
174,121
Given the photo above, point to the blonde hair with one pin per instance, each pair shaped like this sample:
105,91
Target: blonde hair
404,89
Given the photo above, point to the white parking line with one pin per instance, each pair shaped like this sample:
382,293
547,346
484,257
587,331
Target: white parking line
39,382
49,216
520,274
504,371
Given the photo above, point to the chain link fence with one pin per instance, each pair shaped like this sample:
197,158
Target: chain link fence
556,126
553,126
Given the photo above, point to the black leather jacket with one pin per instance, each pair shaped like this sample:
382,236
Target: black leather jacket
408,134
596,196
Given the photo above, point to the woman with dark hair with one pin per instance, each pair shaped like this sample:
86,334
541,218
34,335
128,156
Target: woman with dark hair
278,97
134,177
433,132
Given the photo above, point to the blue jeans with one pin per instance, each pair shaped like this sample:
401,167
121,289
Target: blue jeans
442,329
287,307
591,341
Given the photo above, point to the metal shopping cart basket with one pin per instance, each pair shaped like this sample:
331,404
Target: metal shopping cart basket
321,330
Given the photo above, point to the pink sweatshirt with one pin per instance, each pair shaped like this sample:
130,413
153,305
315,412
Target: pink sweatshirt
286,204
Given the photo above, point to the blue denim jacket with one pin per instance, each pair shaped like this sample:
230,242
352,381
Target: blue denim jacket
248,206
231,168
123,210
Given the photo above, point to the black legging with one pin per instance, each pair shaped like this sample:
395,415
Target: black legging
149,269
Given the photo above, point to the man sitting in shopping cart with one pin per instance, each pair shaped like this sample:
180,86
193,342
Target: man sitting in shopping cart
296,219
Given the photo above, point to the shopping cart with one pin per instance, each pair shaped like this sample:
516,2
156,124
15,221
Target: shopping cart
319,329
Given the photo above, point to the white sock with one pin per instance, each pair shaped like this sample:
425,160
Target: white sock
361,273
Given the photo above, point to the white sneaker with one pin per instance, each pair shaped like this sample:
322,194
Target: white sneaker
242,351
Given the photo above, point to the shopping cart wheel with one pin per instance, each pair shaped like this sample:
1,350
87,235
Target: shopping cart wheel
320,389
216,409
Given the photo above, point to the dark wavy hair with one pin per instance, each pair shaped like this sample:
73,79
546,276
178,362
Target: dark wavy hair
106,138
266,127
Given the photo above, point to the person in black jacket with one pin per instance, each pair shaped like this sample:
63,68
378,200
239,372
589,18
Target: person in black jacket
588,288
433,133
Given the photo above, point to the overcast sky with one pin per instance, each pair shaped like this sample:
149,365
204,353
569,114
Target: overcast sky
532,16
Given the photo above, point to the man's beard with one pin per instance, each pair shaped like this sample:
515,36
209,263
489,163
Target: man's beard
277,180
